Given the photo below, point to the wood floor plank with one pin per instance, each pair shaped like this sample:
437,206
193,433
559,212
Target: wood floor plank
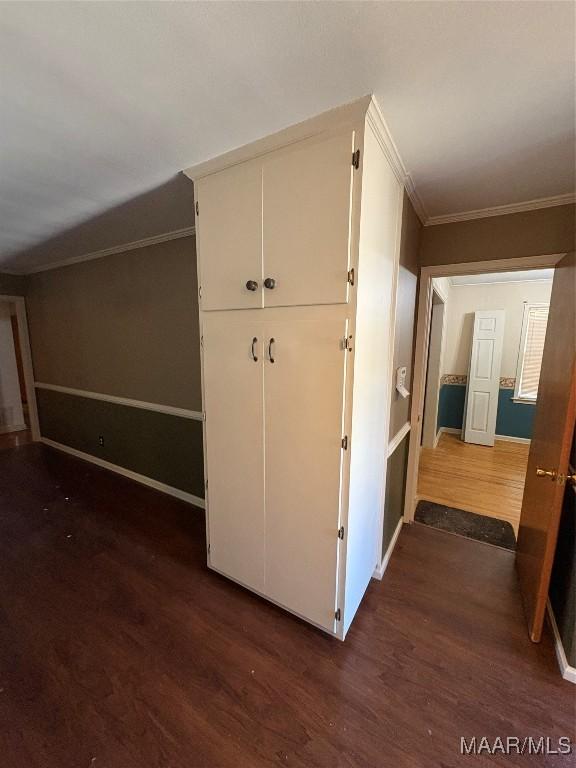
476,478
120,649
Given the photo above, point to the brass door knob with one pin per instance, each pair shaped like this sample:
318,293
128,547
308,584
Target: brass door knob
551,473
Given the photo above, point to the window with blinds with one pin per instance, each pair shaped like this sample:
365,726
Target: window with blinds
530,352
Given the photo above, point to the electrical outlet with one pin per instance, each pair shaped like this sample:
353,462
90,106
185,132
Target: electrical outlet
100,439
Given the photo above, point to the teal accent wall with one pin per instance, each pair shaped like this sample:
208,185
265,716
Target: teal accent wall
451,406
161,446
513,419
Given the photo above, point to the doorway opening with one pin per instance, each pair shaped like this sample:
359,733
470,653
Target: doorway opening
18,411
485,334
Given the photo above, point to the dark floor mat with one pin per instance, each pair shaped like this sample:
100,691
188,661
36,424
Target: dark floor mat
469,524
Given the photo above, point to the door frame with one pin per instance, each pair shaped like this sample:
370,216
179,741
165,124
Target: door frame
22,321
422,342
443,301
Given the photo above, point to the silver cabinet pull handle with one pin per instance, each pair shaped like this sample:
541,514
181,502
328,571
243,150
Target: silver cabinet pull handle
251,285
270,355
254,356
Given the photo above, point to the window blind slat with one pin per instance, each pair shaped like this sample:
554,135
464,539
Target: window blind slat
537,321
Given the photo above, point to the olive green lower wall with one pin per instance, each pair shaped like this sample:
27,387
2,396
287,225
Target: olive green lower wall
160,446
395,491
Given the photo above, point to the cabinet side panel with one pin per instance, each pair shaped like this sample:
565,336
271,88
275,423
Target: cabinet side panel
377,270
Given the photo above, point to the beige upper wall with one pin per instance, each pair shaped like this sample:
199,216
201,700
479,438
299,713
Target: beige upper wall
464,300
12,285
532,233
405,311
124,325
127,324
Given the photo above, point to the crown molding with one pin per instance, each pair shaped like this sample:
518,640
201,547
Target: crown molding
502,210
132,246
378,124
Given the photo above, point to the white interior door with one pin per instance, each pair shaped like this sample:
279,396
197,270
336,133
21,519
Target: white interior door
304,401
484,377
307,194
229,235
234,446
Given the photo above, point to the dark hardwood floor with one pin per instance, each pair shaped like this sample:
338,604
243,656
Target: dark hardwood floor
119,649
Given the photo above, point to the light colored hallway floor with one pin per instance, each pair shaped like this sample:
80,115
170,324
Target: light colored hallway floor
476,478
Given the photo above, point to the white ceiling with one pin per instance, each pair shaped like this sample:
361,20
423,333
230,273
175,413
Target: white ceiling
520,276
101,102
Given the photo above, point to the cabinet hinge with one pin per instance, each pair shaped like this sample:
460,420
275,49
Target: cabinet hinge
356,159
337,615
347,343
203,415
341,532
199,291
345,442
351,276
197,209
202,341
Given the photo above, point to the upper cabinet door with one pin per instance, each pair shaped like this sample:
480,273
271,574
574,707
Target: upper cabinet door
307,199
229,236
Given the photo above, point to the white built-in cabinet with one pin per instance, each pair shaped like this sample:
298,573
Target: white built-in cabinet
298,241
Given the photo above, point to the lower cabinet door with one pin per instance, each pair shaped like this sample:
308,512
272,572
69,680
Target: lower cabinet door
304,374
233,401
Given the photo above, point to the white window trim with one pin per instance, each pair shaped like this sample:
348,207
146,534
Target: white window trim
522,349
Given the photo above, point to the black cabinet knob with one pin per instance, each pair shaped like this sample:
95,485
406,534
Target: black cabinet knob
269,283
251,285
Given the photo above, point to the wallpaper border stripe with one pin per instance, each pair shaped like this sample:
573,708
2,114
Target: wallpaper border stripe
172,410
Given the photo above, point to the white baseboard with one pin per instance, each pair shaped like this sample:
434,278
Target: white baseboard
525,440
508,438
13,428
379,570
567,672
158,486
